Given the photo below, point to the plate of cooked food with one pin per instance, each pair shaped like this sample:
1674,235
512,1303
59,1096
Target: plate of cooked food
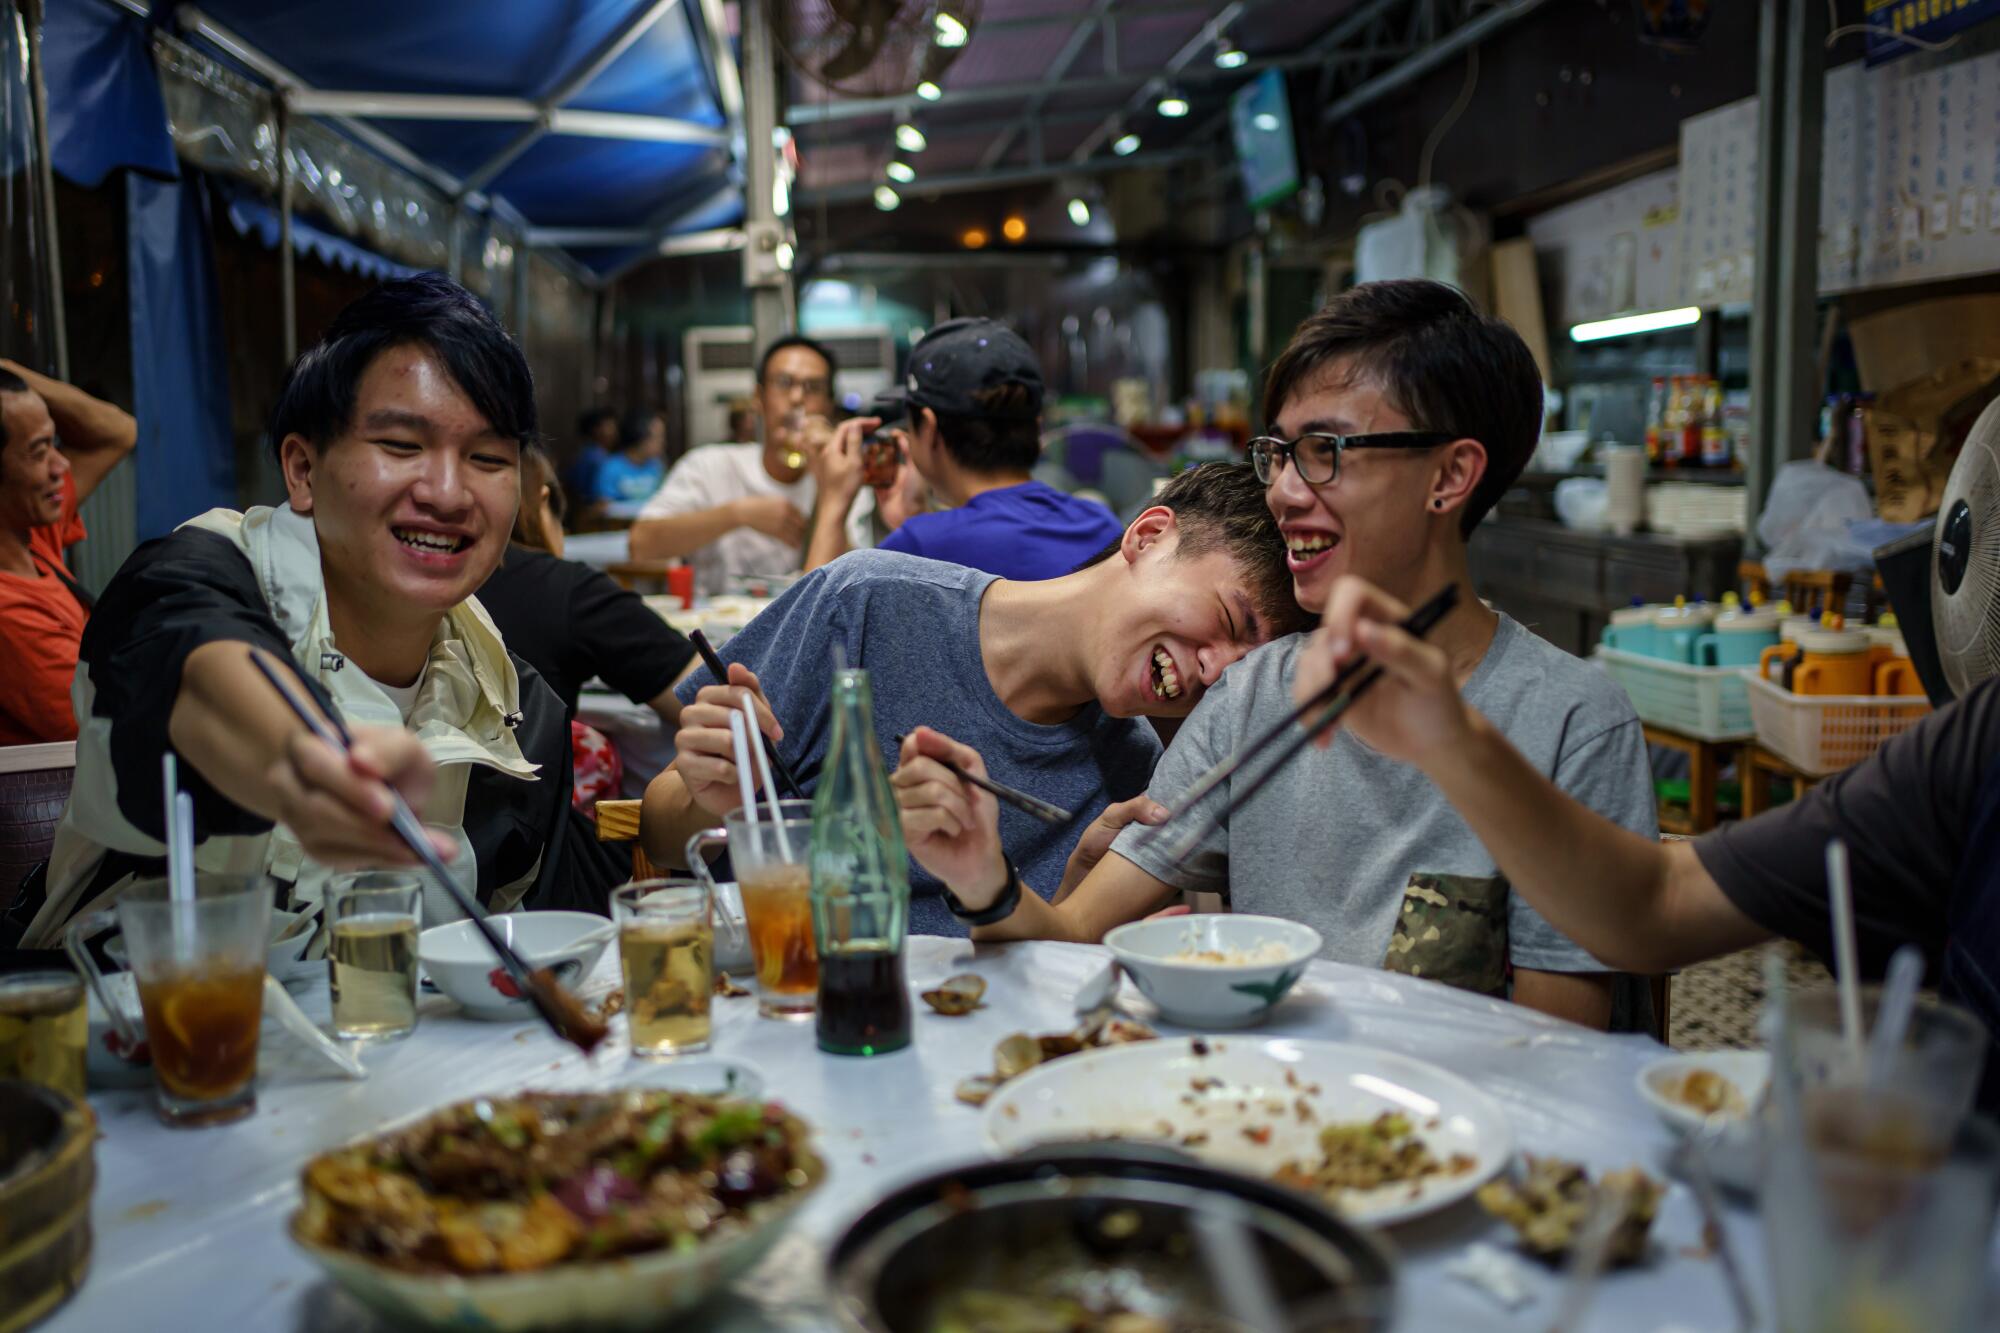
546,1210
1379,1136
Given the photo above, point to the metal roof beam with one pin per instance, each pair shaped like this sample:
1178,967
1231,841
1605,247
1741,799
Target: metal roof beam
1470,32
1072,47
1175,67
856,191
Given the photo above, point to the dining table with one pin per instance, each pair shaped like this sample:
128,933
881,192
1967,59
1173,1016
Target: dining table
191,1225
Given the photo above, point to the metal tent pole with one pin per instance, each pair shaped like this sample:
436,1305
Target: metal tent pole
288,277
769,286
58,318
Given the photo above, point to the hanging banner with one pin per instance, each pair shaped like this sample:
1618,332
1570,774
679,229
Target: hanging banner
1925,20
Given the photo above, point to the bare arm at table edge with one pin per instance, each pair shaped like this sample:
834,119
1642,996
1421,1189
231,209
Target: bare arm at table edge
953,830
95,435
1635,904
241,736
683,534
668,817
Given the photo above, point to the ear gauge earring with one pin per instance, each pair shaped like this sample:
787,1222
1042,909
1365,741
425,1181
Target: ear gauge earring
1437,504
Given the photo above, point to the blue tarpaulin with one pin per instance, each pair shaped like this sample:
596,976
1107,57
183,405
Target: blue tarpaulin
105,110
528,49
253,217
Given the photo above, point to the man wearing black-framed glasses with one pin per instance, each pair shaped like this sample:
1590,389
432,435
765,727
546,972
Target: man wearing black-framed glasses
1399,415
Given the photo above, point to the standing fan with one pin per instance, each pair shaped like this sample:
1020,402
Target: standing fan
1965,560
872,48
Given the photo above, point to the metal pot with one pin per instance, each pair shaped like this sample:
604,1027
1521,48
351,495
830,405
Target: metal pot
1121,1228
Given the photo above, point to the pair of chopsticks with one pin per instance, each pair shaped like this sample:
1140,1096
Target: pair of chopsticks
558,1008
1339,694
720,671
1020,800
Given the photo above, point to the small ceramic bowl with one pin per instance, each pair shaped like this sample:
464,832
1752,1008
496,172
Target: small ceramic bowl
456,957
1163,958
1663,1082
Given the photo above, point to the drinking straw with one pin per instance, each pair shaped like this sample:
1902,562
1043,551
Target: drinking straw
1847,968
1777,1023
1893,1013
741,742
770,787
180,856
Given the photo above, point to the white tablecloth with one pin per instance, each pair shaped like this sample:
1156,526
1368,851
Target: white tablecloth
190,1224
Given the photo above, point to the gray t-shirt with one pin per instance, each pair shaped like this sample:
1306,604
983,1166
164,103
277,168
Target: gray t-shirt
1365,849
914,626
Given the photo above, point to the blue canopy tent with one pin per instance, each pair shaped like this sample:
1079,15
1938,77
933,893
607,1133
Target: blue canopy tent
596,130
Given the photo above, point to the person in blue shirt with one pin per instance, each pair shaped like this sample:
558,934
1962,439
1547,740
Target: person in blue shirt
973,403
640,465
597,429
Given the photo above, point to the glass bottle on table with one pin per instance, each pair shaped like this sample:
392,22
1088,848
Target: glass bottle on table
860,885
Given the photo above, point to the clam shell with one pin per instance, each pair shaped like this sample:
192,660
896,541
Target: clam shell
1016,1055
957,995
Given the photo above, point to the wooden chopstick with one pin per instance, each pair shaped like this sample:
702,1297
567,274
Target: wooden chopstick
1020,800
720,671
558,1008
1335,698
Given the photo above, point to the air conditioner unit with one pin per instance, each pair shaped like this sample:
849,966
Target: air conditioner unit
721,367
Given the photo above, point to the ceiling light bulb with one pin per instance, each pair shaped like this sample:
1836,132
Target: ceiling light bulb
1015,228
785,255
1079,212
887,199
1231,56
1127,145
974,238
909,138
1264,121
1172,105
901,172
781,195
950,29
929,91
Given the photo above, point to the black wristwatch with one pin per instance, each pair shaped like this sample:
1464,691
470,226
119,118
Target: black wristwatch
1001,908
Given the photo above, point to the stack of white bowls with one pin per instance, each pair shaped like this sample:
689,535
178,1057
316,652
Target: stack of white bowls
1625,486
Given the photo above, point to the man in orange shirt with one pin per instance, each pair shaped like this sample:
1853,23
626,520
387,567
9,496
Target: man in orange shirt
42,610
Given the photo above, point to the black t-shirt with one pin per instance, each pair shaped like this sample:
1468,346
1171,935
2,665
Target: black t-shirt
1907,814
572,622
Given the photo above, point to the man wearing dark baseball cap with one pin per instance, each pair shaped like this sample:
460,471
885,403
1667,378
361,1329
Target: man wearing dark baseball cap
972,405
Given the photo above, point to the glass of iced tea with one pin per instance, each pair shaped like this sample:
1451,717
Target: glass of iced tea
666,946
774,879
200,967
371,953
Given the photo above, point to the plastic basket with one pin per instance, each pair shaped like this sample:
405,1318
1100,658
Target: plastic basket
1824,733
1708,703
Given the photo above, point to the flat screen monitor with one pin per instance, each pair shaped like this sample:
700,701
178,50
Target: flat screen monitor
1260,121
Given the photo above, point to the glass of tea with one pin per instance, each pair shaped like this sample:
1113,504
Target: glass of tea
666,947
774,879
371,953
200,966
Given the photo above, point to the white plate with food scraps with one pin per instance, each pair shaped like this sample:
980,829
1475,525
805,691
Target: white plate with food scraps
1257,1105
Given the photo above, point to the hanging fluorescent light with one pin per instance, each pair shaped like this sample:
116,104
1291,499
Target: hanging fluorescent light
1127,145
949,29
1228,55
1172,105
887,199
1624,326
909,138
1079,212
929,91
899,171
781,195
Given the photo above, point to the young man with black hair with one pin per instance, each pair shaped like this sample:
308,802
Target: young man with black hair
56,444
1400,415
637,467
973,403
740,509
400,436
1054,680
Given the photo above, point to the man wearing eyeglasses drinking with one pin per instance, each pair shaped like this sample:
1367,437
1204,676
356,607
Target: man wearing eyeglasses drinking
1400,416
737,510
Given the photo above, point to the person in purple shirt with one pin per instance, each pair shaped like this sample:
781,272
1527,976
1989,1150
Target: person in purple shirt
973,403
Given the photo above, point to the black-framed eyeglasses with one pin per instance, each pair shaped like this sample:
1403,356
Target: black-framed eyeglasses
1316,454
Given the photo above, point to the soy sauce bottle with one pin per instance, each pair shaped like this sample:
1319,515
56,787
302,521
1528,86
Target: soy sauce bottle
860,885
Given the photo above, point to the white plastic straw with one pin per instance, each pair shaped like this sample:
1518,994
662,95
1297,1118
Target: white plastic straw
1847,967
1892,1015
1778,1037
742,746
179,812
764,773
183,848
